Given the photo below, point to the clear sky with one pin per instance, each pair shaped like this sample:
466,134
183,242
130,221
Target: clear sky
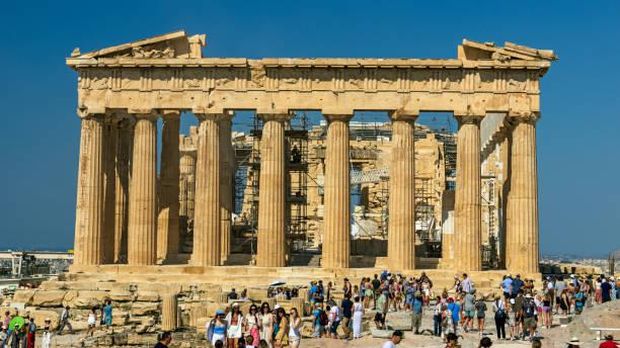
578,139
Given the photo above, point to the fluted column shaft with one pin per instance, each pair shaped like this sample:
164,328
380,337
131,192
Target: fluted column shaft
169,309
467,199
336,227
226,168
522,211
207,240
123,152
271,243
168,220
109,158
401,234
90,193
141,241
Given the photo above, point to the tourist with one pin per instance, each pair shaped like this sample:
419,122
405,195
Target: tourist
235,328
466,285
107,313
15,337
347,313
547,311
536,343
597,291
580,301
469,309
92,321
164,340
397,336
358,314
446,321
517,285
266,320
249,342
437,317
252,324
457,285
347,288
334,320
506,286
369,293
4,335
512,318
560,286
529,317
517,308
379,321
481,308
216,328
608,343
281,337
64,321
565,302
452,340
416,312
232,295
500,316
605,291
31,332
46,337
376,284
244,295
573,343
7,319
294,334
455,310
485,342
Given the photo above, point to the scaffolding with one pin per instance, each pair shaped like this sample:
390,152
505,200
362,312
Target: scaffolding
296,135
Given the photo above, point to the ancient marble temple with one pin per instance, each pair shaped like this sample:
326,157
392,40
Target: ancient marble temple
128,212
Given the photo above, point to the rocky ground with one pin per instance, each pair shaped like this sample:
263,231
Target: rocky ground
607,315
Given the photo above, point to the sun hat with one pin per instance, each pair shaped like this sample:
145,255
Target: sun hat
574,341
219,312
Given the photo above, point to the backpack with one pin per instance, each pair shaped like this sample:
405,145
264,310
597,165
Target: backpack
529,308
323,319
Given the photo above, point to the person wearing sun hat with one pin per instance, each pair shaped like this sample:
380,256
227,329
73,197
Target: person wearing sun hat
574,343
46,337
216,328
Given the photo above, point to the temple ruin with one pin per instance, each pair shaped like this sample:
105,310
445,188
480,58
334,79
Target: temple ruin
435,200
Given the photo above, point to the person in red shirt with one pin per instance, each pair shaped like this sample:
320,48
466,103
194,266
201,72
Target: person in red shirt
609,342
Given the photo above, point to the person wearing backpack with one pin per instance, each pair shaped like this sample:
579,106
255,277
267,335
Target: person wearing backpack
320,320
529,316
499,308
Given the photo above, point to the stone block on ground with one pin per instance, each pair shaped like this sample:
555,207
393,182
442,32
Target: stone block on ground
24,296
88,299
40,315
48,298
118,295
376,333
144,308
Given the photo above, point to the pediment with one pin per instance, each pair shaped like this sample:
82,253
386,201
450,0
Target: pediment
472,50
172,45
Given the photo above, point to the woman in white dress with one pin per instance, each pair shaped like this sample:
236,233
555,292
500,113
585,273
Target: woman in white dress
266,324
358,313
236,324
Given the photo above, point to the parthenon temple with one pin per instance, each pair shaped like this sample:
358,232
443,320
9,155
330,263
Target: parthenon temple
338,194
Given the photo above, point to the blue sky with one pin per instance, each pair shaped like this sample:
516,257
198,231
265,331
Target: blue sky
577,135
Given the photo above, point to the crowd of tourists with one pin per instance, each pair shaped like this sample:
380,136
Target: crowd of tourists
519,312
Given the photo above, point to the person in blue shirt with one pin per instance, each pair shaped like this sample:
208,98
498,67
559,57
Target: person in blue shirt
416,313
507,286
455,308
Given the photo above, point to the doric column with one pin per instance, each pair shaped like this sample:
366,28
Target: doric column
271,239
401,234
123,153
226,168
336,228
90,193
141,241
467,199
168,219
207,241
109,159
522,211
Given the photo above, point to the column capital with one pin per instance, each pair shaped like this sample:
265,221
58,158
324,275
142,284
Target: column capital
338,117
151,115
518,117
91,116
403,115
469,119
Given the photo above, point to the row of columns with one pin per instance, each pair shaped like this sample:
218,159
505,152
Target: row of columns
125,214
152,237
